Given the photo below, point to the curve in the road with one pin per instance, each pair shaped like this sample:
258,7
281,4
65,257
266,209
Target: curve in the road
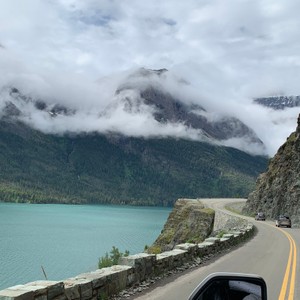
256,256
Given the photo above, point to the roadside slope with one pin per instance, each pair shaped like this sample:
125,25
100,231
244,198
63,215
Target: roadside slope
264,254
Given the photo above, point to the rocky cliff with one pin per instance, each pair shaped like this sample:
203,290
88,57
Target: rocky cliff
190,221
278,189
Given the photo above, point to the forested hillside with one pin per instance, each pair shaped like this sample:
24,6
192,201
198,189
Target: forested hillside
93,168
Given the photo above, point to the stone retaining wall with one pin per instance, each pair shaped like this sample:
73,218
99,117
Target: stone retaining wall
132,270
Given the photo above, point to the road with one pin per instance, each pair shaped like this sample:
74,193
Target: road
271,253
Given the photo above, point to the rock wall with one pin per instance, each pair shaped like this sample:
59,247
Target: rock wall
278,189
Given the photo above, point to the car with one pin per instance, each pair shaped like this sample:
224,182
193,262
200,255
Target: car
228,286
260,217
283,220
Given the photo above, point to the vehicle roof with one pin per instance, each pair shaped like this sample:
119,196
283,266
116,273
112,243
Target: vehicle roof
283,217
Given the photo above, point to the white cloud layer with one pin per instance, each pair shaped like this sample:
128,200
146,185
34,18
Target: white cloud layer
229,51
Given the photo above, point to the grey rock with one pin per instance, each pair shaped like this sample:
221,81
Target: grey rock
278,189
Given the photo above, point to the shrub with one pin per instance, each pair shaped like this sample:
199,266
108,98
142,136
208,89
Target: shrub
221,233
154,250
112,259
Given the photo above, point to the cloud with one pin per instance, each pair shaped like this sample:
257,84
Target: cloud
228,52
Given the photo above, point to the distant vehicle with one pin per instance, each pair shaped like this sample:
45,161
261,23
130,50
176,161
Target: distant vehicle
283,221
260,217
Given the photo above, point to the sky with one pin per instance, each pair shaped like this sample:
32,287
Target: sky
228,51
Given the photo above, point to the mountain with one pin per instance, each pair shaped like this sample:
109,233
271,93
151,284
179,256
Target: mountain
144,104
49,155
93,168
279,102
278,189
167,108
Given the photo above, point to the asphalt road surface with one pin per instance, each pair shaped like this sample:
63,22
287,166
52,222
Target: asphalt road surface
271,253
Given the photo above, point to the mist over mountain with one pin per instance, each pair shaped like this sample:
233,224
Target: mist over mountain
143,103
219,56
149,145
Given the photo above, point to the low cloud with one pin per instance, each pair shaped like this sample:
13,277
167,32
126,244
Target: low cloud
219,55
98,107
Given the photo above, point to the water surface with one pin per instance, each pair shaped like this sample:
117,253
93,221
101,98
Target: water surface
67,240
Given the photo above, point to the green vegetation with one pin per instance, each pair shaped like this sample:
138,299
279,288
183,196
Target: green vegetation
40,168
103,296
112,259
193,240
221,233
154,250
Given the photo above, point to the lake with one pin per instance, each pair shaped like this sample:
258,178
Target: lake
66,240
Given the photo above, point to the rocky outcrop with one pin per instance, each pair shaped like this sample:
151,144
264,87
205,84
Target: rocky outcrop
279,102
278,189
190,221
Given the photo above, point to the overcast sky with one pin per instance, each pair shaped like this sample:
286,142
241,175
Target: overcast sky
229,51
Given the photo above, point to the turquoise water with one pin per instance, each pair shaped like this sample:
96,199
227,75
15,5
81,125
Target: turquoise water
67,240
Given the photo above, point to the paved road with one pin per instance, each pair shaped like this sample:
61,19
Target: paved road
271,254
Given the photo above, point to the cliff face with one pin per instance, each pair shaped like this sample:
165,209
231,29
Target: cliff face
189,221
278,189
